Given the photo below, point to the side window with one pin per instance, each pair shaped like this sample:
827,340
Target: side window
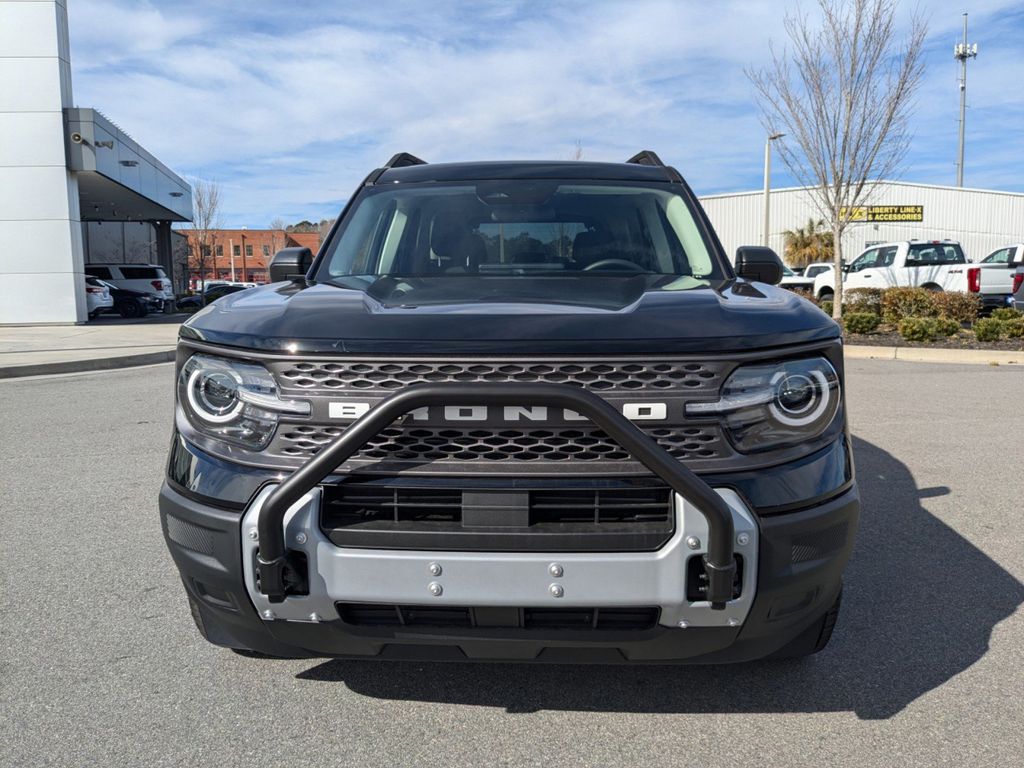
1002,256
101,272
865,260
139,273
886,256
933,254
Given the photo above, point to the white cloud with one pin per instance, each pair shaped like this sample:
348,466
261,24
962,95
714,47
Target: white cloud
290,105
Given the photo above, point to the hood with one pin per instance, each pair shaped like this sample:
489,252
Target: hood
433,316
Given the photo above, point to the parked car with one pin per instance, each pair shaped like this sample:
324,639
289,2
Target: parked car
148,278
939,265
212,293
97,297
1018,288
453,434
793,281
129,303
992,277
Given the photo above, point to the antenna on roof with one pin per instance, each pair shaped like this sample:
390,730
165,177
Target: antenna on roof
403,160
646,157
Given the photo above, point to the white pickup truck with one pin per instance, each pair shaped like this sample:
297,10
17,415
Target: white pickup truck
993,276
938,265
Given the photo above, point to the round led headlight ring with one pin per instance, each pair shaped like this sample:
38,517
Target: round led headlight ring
800,397
213,395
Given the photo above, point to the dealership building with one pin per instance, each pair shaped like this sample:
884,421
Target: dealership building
982,220
75,188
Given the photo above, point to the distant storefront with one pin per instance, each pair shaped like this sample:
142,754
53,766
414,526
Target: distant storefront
75,188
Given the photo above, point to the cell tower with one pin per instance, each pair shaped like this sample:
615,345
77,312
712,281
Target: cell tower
962,52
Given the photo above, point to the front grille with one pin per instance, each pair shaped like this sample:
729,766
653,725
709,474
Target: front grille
410,616
628,516
432,445
428,444
604,375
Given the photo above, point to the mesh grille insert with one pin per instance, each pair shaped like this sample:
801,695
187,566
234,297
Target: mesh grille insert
625,375
425,444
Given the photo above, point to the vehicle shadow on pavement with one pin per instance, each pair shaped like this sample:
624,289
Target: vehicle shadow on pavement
919,607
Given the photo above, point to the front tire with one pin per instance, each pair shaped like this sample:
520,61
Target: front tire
131,309
826,295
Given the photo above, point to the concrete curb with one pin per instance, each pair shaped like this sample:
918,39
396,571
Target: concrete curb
930,355
89,364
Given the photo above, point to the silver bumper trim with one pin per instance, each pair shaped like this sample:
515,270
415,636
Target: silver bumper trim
597,579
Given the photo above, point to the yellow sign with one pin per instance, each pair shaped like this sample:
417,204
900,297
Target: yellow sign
867,213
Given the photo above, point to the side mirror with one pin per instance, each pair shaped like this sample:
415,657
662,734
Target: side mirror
755,262
290,264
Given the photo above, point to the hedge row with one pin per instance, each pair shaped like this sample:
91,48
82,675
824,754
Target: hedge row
922,315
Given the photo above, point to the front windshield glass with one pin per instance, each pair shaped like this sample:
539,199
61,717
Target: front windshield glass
519,228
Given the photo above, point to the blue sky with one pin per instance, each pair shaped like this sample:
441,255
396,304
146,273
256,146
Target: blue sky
288,105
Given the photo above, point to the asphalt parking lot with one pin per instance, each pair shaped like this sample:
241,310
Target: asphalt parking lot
100,663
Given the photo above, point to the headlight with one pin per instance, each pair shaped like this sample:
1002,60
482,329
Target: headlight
768,406
233,401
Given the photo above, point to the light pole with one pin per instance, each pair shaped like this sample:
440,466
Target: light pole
767,180
962,52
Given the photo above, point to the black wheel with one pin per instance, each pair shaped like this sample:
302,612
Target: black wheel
815,637
94,314
826,295
130,308
933,288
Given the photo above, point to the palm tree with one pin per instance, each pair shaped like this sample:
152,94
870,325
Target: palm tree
808,244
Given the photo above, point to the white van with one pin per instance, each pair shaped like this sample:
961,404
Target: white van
148,278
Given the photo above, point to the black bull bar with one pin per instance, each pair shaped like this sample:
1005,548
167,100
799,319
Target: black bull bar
278,570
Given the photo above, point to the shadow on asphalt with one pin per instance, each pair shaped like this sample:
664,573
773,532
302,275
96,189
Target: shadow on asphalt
919,607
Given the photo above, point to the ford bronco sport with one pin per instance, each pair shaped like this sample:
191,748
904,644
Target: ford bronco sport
514,411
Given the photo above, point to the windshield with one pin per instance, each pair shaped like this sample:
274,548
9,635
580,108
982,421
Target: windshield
519,228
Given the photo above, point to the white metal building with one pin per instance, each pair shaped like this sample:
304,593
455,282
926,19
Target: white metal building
983,220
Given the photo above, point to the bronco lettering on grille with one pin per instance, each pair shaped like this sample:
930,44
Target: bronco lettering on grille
350,410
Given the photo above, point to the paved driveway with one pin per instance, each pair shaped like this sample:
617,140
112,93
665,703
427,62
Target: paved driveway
100,664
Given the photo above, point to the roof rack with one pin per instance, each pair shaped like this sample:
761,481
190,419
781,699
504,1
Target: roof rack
404,160
646,157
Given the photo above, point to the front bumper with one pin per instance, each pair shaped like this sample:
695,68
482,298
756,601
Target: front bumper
800,556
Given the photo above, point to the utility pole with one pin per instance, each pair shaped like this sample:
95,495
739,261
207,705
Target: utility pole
962,52
767,182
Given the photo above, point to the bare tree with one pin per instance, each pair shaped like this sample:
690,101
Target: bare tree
277,235
322,229
577,153
843,96
203,230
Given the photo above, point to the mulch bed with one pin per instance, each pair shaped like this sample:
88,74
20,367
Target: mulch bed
963,340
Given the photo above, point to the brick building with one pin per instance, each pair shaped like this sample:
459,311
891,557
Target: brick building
242,255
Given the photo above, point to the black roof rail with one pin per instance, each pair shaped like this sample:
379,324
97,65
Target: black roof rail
404,160
401,160
646,157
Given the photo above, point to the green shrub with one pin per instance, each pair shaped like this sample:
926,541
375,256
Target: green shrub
826,307
1014,328
1006,313
901,303
860,322
862,300
944,326
988,329
962,307
918,328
